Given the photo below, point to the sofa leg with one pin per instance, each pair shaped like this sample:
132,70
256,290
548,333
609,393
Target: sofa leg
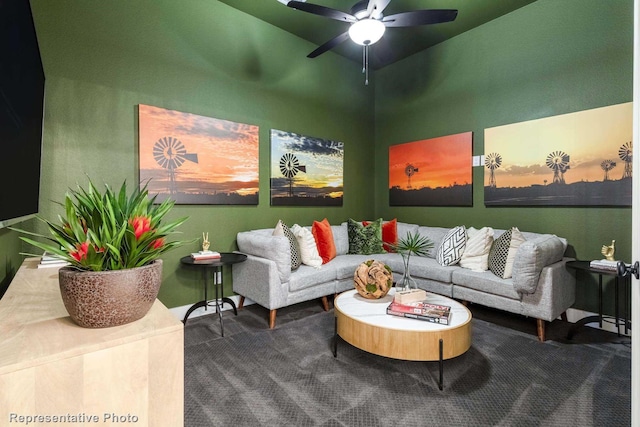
563,316
325,303
241,302
272,319
541,325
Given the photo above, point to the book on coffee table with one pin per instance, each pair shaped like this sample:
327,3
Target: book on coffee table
421,310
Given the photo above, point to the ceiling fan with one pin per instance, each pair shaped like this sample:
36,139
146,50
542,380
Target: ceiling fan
368,24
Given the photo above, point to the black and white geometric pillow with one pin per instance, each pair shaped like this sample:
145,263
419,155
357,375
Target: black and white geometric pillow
283,230
499,253
452,246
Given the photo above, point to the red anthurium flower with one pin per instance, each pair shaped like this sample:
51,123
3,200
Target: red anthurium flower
81,251
141,225
158,243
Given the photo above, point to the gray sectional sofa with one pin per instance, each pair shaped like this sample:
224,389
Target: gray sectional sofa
541,286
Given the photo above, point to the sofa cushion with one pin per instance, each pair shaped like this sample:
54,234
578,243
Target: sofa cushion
503,252
323,235
435,234
365,240
389,234
404,229
428,268
340,238
532,256
307,277
282,229
308,250
484,281
452,246
476,252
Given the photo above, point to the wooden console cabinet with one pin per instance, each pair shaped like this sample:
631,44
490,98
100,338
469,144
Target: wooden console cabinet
49,367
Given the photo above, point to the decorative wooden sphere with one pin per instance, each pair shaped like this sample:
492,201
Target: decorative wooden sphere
373,279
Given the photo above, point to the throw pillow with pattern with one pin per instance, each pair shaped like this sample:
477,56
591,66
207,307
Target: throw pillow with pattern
282,229
452,246
365,240
502,253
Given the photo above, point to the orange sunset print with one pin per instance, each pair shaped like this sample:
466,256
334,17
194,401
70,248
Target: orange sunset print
431,172
197,160
575,159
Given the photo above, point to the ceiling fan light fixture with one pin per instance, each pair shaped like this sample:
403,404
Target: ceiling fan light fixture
366,31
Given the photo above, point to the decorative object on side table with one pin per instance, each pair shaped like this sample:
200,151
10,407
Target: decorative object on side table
373,279
205,242
609,251
113,243
412,243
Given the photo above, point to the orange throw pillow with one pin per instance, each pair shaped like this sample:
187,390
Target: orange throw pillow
323,235
389,233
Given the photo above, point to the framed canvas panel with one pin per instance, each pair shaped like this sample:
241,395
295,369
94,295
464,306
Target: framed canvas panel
432,172
305,171
576,159
197,160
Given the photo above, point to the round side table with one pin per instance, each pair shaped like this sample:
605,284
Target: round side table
214,268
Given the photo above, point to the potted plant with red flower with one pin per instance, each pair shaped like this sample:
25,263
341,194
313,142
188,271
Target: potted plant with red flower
112,242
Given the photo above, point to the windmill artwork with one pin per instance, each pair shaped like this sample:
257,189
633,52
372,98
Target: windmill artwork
432,172
576,159
195,160
305,171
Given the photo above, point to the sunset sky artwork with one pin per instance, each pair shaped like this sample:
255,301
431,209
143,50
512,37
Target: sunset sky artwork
441,162
589,137
321,161
226,153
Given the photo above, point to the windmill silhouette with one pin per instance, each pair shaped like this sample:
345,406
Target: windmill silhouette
410,170
606,166
558,161
290,166
170,154
493,161
626,154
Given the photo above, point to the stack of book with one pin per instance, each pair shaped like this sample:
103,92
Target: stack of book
603,264
205,255
48,260
421,310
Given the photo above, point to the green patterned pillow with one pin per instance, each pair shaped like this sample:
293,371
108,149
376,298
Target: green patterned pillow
365,240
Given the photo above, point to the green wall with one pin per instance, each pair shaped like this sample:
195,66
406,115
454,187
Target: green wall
102,59
548,58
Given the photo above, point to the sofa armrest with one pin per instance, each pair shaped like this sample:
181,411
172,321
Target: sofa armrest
554,294
274,248
258,279
531,257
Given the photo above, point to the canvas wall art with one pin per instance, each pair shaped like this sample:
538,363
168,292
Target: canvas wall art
305,171
576,159
194,159
432,172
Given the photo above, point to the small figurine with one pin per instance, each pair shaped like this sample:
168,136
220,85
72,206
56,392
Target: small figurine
205,242
608,251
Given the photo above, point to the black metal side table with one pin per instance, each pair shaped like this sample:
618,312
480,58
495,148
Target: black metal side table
585,266
213,267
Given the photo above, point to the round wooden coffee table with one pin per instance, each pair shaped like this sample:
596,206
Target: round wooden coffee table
365,324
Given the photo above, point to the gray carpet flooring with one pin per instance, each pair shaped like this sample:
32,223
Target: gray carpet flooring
288,376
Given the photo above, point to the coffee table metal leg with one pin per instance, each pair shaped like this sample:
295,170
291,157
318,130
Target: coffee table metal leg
441,366
335,336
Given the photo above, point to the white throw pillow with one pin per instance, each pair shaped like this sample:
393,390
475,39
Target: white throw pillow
452,246
476,254
308,249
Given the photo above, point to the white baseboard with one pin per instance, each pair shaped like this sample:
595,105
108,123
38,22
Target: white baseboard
181,311
573,315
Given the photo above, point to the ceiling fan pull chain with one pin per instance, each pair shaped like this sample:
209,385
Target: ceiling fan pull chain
364,48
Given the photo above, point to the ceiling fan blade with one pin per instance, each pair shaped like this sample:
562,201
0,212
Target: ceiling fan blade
329,45
420,17
327,12
376,6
